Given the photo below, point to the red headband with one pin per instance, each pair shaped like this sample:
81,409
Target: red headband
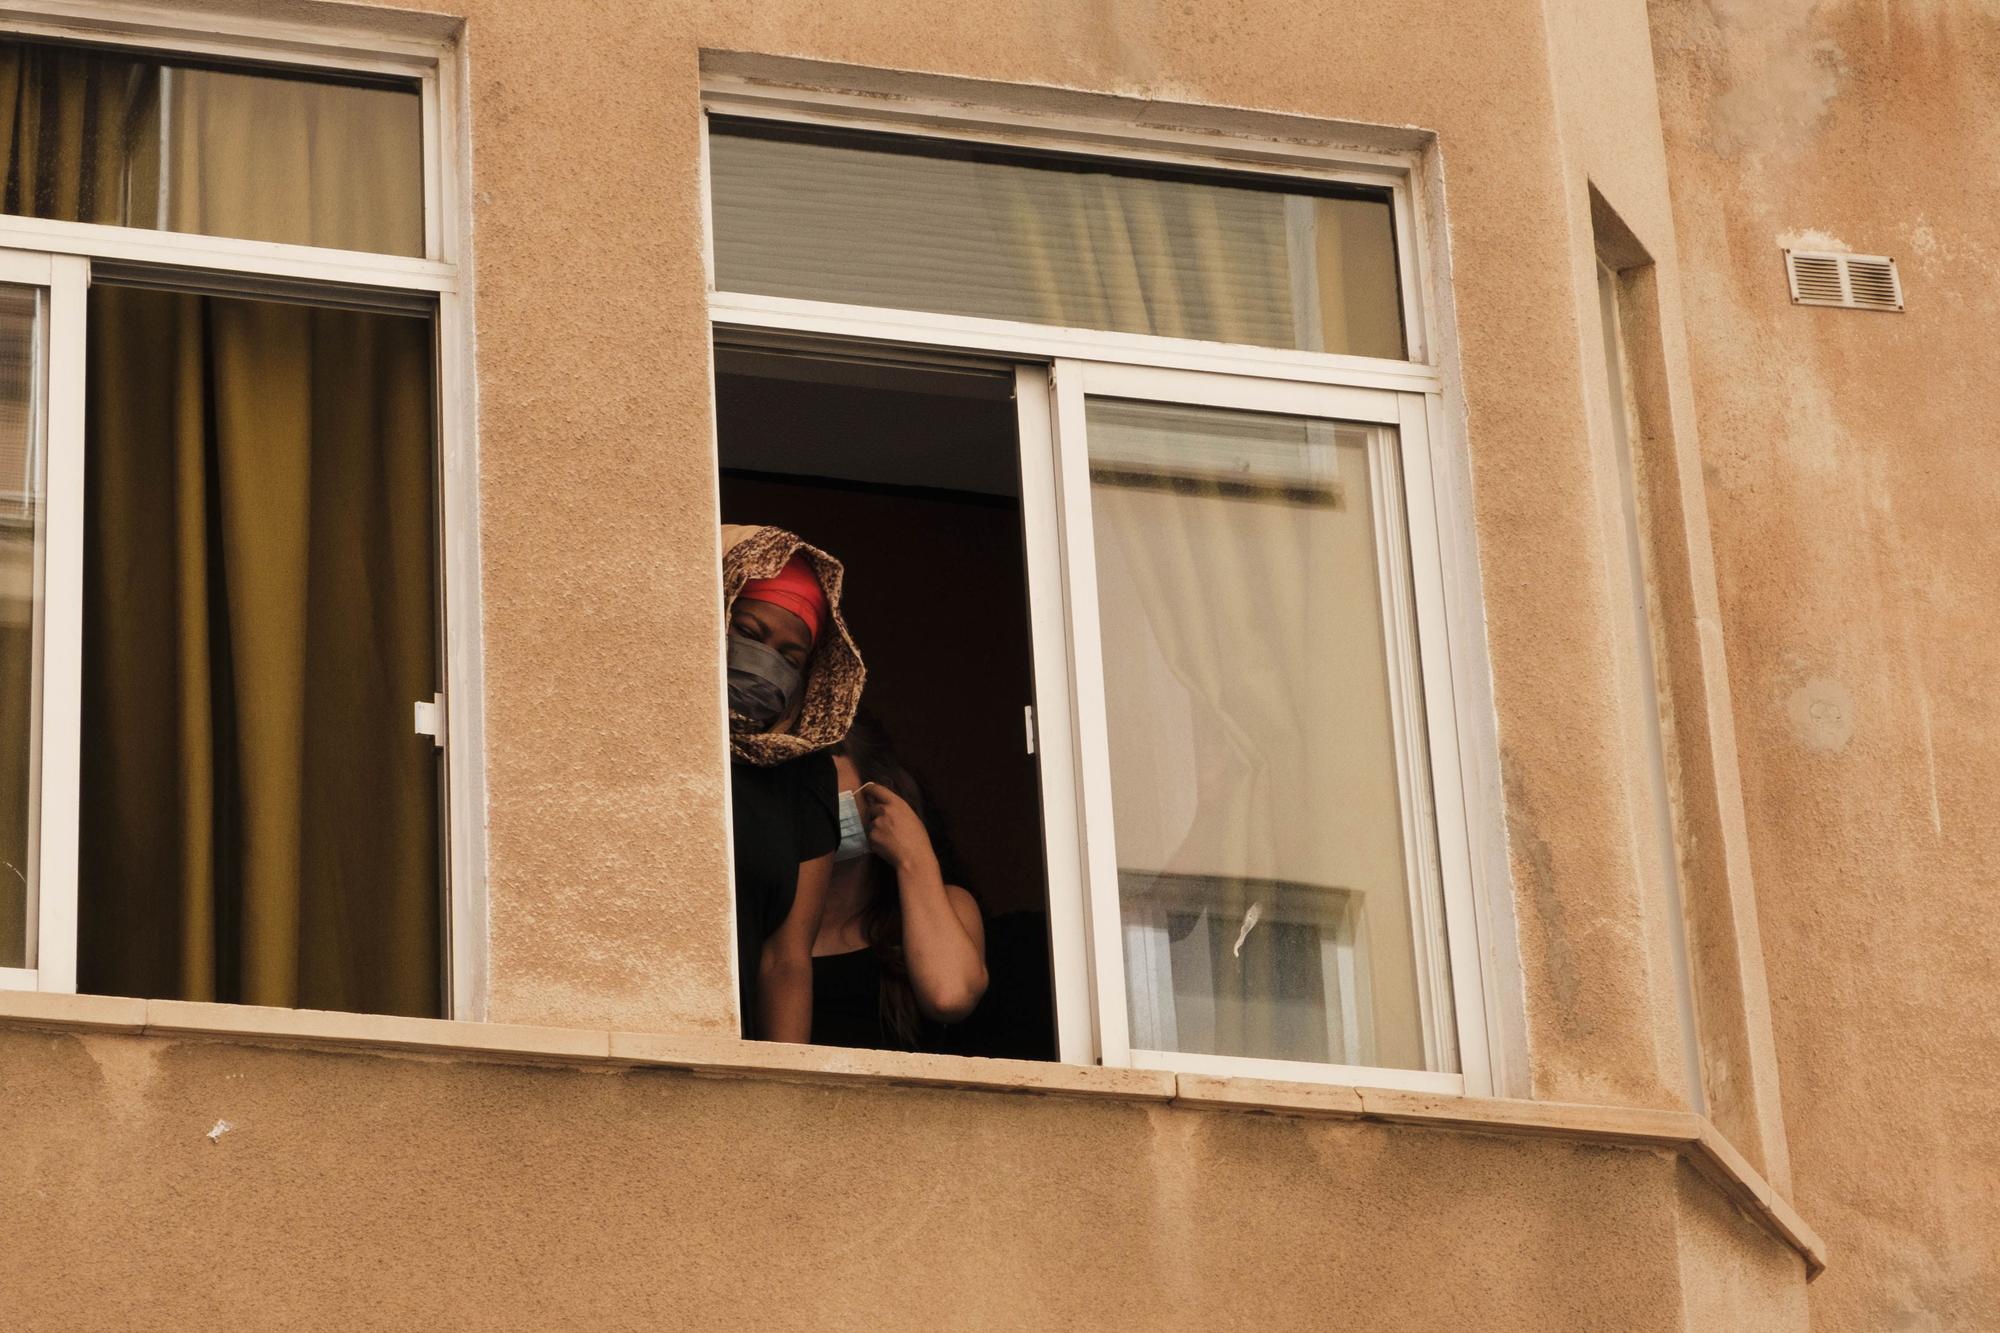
796,589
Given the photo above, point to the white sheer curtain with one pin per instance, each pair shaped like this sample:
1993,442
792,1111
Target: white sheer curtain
1252,747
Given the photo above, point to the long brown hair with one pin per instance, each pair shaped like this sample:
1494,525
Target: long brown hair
874,759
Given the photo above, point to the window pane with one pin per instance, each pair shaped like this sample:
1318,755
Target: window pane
1260,829
131,141
965,230
20,603
259,819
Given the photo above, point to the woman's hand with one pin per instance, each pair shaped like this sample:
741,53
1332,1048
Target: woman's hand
894,832
944,940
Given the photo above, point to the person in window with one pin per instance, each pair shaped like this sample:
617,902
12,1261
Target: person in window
795,678
900,952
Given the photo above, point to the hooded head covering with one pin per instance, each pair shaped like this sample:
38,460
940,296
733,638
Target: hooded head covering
834,673
795,589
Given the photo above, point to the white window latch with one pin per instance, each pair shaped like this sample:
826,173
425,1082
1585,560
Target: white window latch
430,719
1029,718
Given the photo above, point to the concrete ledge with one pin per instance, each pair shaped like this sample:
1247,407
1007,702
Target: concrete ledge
1716,1157
1690,1136
375,1031
723,1057
1615,1124
1604,1124
106,1013
1212,1092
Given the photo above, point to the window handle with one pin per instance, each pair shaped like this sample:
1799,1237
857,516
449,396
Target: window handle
1029,718
430,719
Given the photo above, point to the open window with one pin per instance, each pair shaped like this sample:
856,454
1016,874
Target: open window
910,473
1254,732
224,359
1186,407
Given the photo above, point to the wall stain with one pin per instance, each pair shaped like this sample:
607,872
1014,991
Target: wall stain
1524,832
1778,83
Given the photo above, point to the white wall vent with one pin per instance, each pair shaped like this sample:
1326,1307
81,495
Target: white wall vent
1853,282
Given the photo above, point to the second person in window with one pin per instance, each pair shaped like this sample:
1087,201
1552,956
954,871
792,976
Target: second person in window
900,953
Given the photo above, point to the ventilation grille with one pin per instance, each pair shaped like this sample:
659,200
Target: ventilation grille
1853,282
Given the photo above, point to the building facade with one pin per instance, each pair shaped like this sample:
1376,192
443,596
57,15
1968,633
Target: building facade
1437,551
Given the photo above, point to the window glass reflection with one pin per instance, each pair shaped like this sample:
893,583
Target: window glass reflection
965,230
1260,830
131,141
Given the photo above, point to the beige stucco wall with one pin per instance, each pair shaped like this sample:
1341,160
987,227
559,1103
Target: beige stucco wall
421,1189
1850,461
366,1191
597,475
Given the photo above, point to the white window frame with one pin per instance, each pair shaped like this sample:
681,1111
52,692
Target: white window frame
433,281
1057,368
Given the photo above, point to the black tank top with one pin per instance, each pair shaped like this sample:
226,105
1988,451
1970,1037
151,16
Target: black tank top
847,1001
847,1006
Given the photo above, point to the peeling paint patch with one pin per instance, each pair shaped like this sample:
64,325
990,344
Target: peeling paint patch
221,1127
1523,828
1822,714
1813,240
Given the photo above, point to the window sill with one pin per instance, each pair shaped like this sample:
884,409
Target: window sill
1689,1136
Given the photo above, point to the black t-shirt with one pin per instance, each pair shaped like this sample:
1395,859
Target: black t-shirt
783,814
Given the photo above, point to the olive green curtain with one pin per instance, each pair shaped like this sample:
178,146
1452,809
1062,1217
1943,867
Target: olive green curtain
834,218
335,164
81,130
123,139
259,819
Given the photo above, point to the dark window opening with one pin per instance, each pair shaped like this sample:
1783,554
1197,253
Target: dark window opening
911,477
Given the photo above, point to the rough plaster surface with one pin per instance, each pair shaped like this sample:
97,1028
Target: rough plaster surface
1854,496
597,471
1725,1283
607,845
361,1191
606,759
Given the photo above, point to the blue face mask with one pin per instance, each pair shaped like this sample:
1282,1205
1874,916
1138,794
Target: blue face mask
853,833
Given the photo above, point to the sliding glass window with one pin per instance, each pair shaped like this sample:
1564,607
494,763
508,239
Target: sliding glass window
1242,713
222,593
